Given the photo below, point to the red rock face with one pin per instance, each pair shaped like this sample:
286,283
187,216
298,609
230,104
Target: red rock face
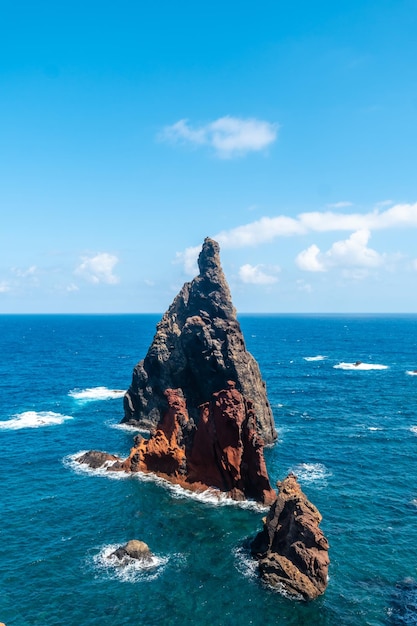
224,451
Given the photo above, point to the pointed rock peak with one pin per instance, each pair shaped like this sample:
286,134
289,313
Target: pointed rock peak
197,348
209,257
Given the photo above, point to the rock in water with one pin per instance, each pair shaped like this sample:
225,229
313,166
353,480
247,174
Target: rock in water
134,549
223,452
292,550
202,394
197,348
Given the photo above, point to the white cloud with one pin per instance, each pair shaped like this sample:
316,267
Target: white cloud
349,253
354,252
255,275
228,136
188,258
309,261
264,230
267,229
4,286
99,268
72,287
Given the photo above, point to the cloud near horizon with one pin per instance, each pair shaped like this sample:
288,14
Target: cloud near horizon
352,252
267,229
255,274
228,136
98,268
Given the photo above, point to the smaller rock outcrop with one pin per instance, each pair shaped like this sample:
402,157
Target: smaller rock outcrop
134,549
96,459
291,549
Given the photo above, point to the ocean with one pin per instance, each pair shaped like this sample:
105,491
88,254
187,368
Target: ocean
348,432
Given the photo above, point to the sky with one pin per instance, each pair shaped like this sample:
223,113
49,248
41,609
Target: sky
286,130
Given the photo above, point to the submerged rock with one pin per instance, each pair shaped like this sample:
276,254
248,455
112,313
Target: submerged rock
197,348
292,551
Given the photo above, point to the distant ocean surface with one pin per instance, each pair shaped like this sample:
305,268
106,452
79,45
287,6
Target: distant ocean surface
349,433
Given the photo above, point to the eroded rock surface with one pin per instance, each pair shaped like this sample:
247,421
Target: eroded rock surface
292,550
198,347
223,452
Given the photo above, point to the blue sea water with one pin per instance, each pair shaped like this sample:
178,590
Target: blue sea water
349,433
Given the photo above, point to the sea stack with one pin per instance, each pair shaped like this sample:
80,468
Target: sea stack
197,348
201,394
292,551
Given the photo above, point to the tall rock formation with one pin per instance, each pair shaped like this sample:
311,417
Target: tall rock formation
291,549
197,348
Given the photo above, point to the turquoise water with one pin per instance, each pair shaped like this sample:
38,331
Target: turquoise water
350,433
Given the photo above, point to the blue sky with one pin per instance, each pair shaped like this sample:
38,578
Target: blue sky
285,130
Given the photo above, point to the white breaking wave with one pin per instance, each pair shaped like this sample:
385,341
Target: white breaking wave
412,372
211,495
413,429
34,419
360,366
128,570
129,428
71,462
311,472
319,357
244,563
96,393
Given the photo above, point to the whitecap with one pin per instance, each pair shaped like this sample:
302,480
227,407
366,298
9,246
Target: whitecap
96,393
412,372
373,428
360,366
413,429
128,428
211,495
245,563
311,472
319,357
128,570
34,419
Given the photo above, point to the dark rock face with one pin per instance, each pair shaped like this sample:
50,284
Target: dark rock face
223,452
292,550
198,347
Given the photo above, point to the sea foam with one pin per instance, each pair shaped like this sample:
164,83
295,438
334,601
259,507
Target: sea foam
211,495
412,372
319,357
311,473
128,570
34,419
96,393
360,366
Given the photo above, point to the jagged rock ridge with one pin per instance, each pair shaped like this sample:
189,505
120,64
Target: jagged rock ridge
198,347
291,549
